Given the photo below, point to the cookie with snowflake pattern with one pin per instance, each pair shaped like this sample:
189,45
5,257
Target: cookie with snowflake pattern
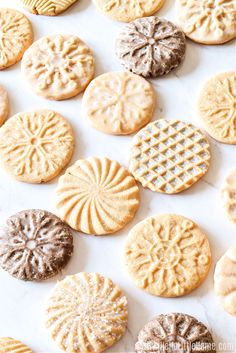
47,7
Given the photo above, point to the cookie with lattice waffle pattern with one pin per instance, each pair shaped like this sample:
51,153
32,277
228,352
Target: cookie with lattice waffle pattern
169,156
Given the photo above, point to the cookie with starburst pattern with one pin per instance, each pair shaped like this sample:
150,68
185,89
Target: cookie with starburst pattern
11,345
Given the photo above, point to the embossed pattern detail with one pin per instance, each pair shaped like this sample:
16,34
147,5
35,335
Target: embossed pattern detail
225,280
167,255
15,36
97,196
175,332
119,103
86,313
150,46
207,21
35,245
217,107
4,105
58,66
228,194
36,146
169,156
47,7
10,345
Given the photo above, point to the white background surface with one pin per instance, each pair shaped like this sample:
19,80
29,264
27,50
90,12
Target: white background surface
21,304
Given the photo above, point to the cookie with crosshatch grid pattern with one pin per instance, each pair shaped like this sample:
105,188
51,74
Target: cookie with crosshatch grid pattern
169,156
10,345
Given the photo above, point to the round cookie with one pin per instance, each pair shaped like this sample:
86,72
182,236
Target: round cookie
4,105
10,345
58,66
86,313
97,196
228,194
175,332
150,46
167,255
36,146
169,156
207,21
35,245
126,11
47,7
217,107
16,36
225,280
119,103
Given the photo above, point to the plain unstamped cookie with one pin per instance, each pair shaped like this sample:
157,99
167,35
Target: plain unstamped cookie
119,103
86,313
11,345
35,245
207,21
167,255
217,107
16,36
58,66
126,11
150,46
36,146
4,105
97,196
225,280
47,7
228,195
175,333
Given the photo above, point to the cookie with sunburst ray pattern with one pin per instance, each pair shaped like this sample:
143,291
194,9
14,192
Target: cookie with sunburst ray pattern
10,345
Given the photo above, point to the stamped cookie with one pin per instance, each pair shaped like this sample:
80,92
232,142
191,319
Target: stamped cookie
35,245
150,46
119,103
10,345
86,313
16,36
175,332
207,21
126,11
225,280
167,255
4,105
47,7
36,146
58,66
97,196
228,194
217,107
169,156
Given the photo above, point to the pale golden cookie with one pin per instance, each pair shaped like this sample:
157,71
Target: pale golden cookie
207,21
167,255
4,105
16,36
86,313
47,7
228,194
169,156
217,107
97,196
225,280
10,345
126,11
119,103
36,146
58,66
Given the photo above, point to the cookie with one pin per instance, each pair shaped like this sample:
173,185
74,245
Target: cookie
86,313
36,146
35,245
47,7
119,103
167,255
58,66
4,105
225,280
207,21
150,46
217,107
10,345
16,36
97,196
175,332
126,11
169,156
228,195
